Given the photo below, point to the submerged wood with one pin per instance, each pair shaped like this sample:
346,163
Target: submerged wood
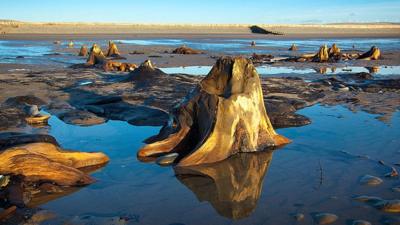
46,162
223,116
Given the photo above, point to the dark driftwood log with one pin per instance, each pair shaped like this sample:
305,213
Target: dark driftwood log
233,194
373,54
45,162
83,51
112,50
96,56
223,116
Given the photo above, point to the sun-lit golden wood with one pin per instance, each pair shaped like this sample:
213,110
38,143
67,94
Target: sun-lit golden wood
47,162
322,55
96,56
109,66
373,54
112,50
37,119
223,116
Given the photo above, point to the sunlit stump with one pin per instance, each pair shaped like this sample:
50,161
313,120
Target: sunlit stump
46,162
322,55
96,56
334,50
373,54
233,194
224,115
83,51
112,50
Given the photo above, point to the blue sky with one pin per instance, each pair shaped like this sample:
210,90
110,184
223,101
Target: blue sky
202,11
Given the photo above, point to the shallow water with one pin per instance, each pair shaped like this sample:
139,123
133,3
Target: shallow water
292,182
383,71
243,45
35,51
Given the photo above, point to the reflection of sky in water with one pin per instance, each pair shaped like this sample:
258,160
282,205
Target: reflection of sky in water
271,70
243,45
129,188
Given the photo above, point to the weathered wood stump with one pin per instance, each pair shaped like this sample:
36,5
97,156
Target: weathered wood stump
46,162
322,55
112,50
373,54
223,116
96,56
293,47
83,51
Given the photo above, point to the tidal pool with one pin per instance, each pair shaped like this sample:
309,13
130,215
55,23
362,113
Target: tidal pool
318,172
382,71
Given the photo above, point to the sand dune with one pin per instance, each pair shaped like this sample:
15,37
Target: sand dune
374,29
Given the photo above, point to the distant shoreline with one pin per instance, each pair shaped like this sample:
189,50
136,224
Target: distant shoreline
38,30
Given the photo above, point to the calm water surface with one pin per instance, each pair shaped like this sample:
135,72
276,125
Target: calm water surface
34,52
264,188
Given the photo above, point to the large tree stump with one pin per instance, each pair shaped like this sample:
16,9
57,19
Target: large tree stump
233,194
223,116
96,56
46,162
112,50
373,54
322,55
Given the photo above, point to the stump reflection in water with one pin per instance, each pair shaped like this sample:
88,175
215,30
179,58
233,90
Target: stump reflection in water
232,186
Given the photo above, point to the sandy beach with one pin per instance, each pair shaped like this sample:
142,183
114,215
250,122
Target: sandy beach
46,30
340,113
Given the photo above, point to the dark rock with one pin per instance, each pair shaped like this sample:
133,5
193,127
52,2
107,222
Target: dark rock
80,117
10,139
27,99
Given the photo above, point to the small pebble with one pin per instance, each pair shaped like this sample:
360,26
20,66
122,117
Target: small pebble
325,218
396,189
167,159
391,206
367,199
370,180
